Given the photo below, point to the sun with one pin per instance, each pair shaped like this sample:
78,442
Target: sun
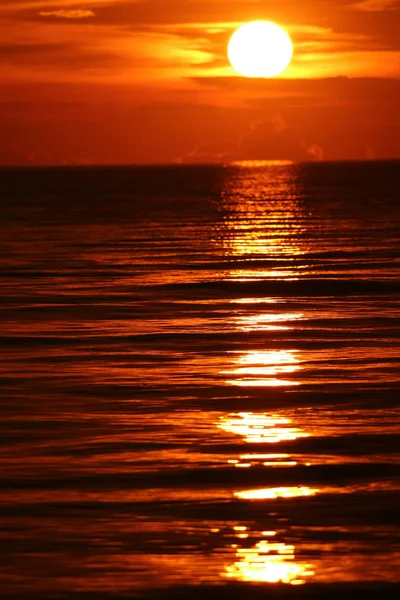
260,49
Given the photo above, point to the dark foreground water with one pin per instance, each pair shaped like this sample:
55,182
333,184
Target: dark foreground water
200,381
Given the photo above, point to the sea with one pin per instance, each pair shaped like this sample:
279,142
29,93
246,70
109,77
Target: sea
200,381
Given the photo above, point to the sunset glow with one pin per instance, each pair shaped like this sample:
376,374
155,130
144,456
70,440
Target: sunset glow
151,82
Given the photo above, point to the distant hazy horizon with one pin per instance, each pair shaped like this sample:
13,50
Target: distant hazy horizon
259,163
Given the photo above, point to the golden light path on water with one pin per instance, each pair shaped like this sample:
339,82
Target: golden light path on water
265,368
261,229
265,561
262,219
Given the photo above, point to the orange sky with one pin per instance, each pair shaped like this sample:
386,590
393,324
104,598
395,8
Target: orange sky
142,81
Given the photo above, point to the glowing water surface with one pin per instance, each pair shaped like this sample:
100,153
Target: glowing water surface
201,377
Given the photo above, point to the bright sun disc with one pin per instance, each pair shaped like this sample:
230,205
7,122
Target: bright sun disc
260,49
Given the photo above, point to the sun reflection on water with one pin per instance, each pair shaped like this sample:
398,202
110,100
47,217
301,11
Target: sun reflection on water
264,368
263,215
254,300
270,563
267,321
253,164
264,223
273,493
261,428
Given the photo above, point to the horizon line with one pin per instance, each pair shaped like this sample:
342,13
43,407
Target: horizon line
257,163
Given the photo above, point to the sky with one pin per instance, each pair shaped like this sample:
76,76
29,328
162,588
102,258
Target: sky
149,81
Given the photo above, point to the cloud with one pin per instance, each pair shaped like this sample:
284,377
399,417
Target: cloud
316,152
53,5
79,13
265,139
206,154
278,123
376,5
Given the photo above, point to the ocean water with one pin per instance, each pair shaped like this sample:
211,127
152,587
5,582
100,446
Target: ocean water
200,380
